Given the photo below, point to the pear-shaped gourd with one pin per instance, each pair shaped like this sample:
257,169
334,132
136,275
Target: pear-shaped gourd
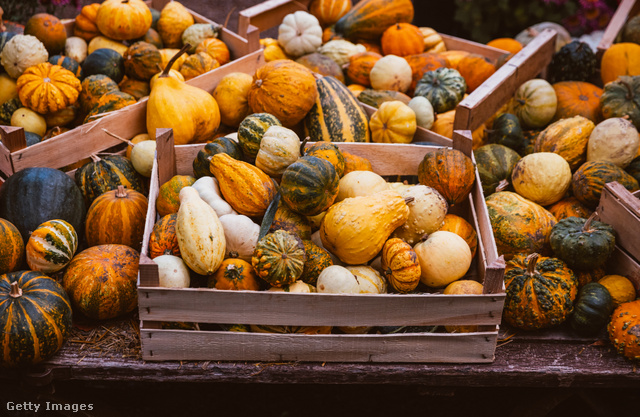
200,233
355,229
191,112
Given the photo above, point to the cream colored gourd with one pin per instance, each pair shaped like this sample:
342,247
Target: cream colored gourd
142,156
400,187
391,72
355,229
22,52
423,109
241,235
336,279
76,48
190,111
300,33
298,287
369,280
615,140
279,148
172,271
444,257
198,32
207,188
542,177
200,234
341,50
426,213
534,103
360,183
29,121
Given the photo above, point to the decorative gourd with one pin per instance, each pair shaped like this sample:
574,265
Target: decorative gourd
355,229
172,272
292,222
475,69
592,309
47,88
510,45
360,65
539,292
123,19
309,185
279,148
542,177
444,257
623,330
272,50
620,288
433,42
300,33
51,246
575,61
163,239
519,225
66,63
49,30
340,50
279,258
391,72
317,259
168,201
12,247
463,286
233,175
461,227
101,281
136,88
105,174
590,178
22,52
375,98
152,37
422,63
234,274
568,138
450,172
393,122
252,129
100,42
76,48
92,88
117,217
402,39
85,23
284,89
584,244
569,207
426,213
197,64
620,59
360,183
199,32
336,279
423,110
336,115
506,130
330,152
400,265
200,233
534,103
231,95
190,111
322,65
495,164
355,163
111,101
33,196
167,53
443,87
241,235
208,190
370,282
620,99
615,140
35,318
329,12
218,145
368,19
577,98
104,61
141,61
29,120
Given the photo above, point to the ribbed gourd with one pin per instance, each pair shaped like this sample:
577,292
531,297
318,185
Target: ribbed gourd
51,246
279,258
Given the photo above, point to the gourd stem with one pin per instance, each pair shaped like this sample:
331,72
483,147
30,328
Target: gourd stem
120,192
303,144
408,200
502,185
587,224
629,89
233,254
16,291
94,157
167,68
113,135
226,20
531,261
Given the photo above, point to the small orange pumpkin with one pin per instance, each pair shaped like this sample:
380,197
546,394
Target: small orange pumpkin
400,265
123,19
168,201
355,163
11,247
569,207
624,329
163,239
329,12
197,64
85,24
234,274
450,172
402,39
49,30
360,65
620,59
217,49
475,69
47,88
578,98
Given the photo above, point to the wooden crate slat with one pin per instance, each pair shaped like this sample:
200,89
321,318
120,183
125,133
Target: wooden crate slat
158,345
621,209
621,263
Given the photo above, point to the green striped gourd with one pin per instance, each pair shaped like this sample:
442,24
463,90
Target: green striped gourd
105,174
11,247
252,129
51,246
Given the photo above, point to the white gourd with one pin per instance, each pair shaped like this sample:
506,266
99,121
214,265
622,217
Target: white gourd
279,148
423,109
241,235
341,50
172,271
209,191
76,48
22,52
336,279
300,33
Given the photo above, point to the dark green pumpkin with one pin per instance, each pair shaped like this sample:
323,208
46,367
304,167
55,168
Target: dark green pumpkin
35,318
104,61
590,178
495,163
142,61
621,98
111,101
218,145
443,87
336,115
309,185
375,98
67,63
633,168
584,244
35,195
94,87
591,310
7,108
252,129
330,152
317,260
507,131
105,174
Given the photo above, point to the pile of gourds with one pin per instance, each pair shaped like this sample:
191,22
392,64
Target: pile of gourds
543,163
54,83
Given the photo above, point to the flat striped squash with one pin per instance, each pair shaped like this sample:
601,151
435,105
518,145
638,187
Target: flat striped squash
51,246
336,115
105,174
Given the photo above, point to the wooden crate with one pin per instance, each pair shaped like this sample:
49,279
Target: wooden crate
204,305
626,9
89,138
621,209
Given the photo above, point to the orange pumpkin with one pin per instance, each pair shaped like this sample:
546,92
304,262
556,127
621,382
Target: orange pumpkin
217,49
231,95
136,88
49,30
620,59
400,265
47,88
624,329
329,34
355,163
402,39
475,69
450,172
85,24
11,247
578,98
117,217
360,65
197,64
506,44
462,228
329,12
453,57
168,201
163,239
569,207
123,19
142,61
422,63
234,274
